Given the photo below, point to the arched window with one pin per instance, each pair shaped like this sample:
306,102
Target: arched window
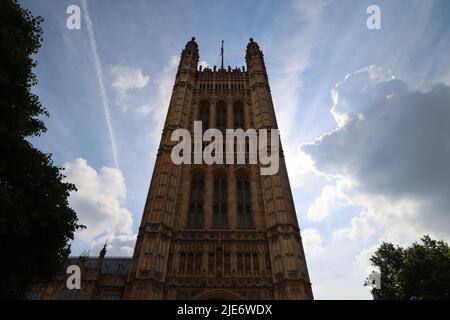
221,116
203,114
238,115
244,210
195,211
220,216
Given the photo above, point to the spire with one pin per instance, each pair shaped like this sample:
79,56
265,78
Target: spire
103,251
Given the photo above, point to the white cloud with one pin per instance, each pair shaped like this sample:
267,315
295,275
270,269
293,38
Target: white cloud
144,109
382,218
291,57
204,64
361,229
117,245
312,241
337,268
323,204
99,200
330,199
362,260
165,82
355,86
391,142
302,165
125,79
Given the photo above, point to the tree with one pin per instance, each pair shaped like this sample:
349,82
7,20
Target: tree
418,272
36,222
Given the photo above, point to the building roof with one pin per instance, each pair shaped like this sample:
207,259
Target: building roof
110,265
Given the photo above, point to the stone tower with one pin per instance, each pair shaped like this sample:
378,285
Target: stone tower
218,231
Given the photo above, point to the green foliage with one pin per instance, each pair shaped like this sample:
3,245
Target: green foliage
36,222
21,36
418,272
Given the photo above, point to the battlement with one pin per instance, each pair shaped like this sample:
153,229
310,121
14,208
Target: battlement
221,78
221,71
221,74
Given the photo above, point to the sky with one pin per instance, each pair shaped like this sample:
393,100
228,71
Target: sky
363,115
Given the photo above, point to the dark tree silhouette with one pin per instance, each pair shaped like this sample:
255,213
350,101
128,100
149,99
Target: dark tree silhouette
418,272
36,222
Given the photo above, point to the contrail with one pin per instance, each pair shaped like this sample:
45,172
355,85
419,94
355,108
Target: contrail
99,73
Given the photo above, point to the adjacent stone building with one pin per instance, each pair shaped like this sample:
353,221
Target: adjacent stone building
102,278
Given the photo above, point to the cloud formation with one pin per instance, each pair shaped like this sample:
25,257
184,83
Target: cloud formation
313,241
99,201
392,142
165,82
292,55
125,79
117,245
331,198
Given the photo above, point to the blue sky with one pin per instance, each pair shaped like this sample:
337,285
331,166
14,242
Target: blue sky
353,156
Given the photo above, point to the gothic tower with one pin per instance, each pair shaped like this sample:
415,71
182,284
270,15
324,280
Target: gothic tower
218,231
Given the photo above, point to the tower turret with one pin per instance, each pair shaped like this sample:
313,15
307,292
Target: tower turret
254,58
189,56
